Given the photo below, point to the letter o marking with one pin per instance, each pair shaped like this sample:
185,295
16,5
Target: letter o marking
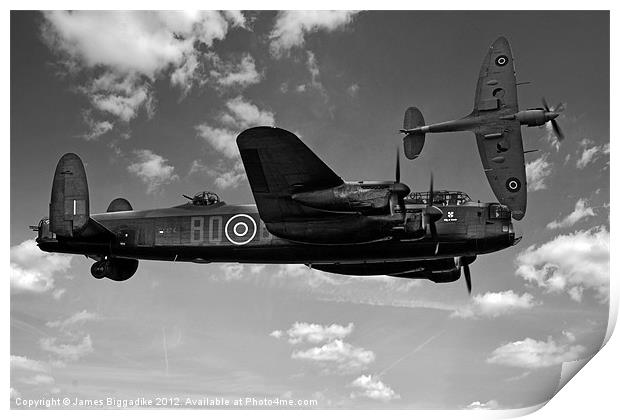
502,60
241,233
513,184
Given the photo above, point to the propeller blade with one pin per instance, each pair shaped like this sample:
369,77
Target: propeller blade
397,165
556,130
467,277
431,193
433,230
545,104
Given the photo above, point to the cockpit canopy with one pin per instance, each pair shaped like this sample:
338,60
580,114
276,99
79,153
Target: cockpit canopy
441,198
204,198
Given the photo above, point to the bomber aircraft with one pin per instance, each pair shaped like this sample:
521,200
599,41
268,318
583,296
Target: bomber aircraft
304,214
496,121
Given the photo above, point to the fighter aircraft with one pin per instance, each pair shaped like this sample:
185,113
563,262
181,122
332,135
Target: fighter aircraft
496,122
304,214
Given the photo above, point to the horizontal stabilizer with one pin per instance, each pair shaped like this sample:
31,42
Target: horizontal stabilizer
413,118
413,145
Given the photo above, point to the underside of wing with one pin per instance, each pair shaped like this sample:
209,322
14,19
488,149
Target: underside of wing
278,164
501,151
497,88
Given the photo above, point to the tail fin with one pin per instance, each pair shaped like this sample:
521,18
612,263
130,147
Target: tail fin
413,142
69,205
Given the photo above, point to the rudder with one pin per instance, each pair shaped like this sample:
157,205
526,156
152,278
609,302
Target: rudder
69,204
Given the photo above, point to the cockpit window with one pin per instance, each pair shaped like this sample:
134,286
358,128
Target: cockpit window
441,198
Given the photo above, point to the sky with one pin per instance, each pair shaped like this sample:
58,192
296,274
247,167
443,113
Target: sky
152,102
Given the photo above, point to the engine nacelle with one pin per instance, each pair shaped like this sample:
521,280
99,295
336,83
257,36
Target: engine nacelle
532,117
117,269
364,197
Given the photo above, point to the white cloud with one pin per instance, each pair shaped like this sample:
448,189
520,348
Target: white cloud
581,212
38,380
96,129
353,90
77,318
489,405
494,304
132,49
533,354
241,114
242,74
315,333
15,393
67,351
291,26
33,270
152,169
570,263
276,334
244,114
24,363
337,357
591,153
225,177
373,388
221,139
536,171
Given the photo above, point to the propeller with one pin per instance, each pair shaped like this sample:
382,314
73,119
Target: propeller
552,115
399,190
465,262
432,213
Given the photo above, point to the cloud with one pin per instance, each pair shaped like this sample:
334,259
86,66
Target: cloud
292,26
494,304
591,153
96,129
581,212
68,351
301,332
224,176
33,270
38,380
569,263
152,169
78,318
489,405
239,115
536,172
24,363
276,334
127,51
532,354
337,356
240,75
353,90
373,388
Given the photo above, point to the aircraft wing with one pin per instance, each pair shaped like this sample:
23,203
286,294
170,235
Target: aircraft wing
499,141
278,164
497,85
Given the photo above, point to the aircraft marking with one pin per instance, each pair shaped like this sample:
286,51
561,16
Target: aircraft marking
240,238
513,184
501,61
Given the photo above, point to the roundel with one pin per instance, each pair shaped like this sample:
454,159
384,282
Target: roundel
513,184
240,229
501,60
